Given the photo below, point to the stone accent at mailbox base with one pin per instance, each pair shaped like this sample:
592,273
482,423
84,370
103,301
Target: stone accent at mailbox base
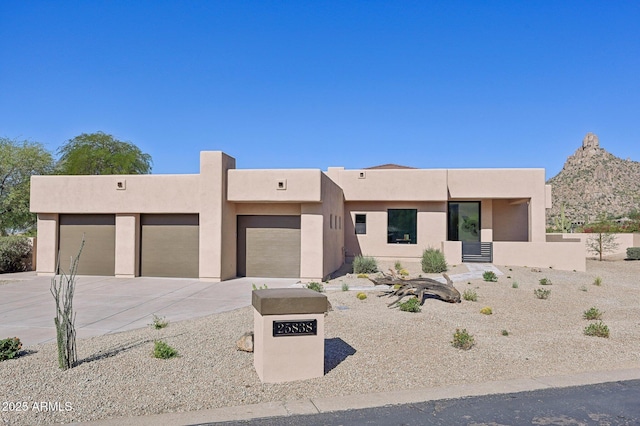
287,358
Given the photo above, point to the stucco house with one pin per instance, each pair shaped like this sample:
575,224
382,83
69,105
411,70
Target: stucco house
225,222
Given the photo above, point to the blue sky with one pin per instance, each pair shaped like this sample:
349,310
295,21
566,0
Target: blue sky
314,84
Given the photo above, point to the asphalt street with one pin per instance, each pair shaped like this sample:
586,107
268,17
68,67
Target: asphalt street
616,403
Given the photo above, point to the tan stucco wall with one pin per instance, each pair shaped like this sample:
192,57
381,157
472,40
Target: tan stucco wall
311,240
47,243
391,185
559,255
624,241
127,245
333,228
217,218
512,184
431,229
100,194
299,185
510,221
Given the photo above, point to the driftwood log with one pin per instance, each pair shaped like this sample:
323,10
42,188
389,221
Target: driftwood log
419,287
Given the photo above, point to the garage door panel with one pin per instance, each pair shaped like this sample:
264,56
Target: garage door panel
98,253
170,246
269,246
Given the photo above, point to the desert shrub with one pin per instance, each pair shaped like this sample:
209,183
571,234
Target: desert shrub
470,295
411,305
486,310
489,276
15,254
592,313
403,272
433,261
315,287
364,265
597,281
159,322
545,281
361,296
515,284
505,333
597,329
542,293
262,287
633,253
345,287
163,351
10,348
397,265
462,339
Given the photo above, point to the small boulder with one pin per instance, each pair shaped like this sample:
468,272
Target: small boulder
245,342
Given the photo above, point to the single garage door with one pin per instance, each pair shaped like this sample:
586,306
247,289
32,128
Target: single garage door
169,245
269,246
99,253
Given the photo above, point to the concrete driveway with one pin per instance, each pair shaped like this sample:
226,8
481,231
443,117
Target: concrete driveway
108,305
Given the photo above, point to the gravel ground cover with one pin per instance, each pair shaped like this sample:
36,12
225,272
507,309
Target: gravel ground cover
369,348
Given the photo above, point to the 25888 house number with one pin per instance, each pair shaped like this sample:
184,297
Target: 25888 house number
295,328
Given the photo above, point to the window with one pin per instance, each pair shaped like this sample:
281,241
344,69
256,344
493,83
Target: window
402,226
361,223
331,221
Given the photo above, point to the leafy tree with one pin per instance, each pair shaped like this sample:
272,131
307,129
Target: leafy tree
101,154
19,160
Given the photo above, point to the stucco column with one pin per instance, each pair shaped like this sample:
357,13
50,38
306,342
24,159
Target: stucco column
217,218
127,245
486,216
311,242
47,247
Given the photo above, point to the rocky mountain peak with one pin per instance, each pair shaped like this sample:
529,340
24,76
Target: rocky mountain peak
594,181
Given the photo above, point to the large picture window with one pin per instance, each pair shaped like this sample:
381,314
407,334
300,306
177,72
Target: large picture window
402,226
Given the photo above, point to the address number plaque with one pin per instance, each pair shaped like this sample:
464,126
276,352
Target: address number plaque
295,328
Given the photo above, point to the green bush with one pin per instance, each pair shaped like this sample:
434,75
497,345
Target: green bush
542,293
489,276
597,329
515,284
10,348
411,305
545,281
470,295
361,296
15,254
159,322
597,281
345,287
592,313
163,351
505,332
633,253
315,287
462,339
433,261
397,265
364,265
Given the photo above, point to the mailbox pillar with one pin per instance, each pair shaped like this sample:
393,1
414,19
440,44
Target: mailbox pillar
288,327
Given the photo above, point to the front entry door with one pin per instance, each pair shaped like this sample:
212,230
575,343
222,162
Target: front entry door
464,225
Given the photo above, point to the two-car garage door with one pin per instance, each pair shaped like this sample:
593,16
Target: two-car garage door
269,246
169,244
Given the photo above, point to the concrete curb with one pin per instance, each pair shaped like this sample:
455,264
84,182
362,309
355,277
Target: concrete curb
354,402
